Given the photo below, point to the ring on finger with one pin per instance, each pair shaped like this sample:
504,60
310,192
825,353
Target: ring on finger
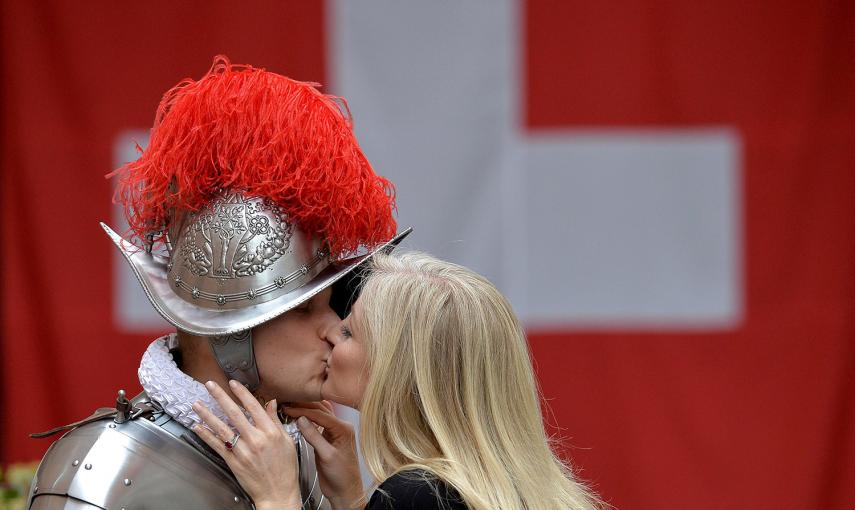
230,445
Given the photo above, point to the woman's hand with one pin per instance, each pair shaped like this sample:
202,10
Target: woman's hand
264,458
335,453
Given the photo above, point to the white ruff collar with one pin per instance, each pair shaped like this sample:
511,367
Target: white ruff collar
176,391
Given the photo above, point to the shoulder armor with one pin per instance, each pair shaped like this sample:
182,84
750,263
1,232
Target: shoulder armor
135,464
147,461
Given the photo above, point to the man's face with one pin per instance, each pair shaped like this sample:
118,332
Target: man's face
292,351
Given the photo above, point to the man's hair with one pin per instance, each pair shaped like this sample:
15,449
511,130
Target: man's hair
451,388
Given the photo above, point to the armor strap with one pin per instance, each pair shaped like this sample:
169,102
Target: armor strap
139,407
235,356
99,414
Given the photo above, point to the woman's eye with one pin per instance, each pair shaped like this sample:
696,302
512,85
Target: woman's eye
345,331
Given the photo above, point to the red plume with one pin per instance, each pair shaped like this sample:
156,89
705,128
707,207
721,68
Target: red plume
248,129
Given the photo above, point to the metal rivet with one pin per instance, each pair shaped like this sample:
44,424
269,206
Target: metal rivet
229,367
88,466
112,425
75,463
127,482
151,418
35,490
237,499
244,364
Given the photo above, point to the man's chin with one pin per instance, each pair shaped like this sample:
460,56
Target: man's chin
304,395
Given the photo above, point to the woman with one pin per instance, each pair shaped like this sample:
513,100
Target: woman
436,362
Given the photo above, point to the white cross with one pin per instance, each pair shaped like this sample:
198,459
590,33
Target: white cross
583,228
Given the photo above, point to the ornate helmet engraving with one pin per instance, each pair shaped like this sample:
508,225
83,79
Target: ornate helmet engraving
240,249
234,236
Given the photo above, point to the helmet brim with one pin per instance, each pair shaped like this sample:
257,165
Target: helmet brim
151,272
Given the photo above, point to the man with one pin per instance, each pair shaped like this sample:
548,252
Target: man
254,205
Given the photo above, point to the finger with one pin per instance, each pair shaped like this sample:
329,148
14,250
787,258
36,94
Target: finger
231,409
308,405
250,403
223,431
328,405
272,409
210,439
323,448
323,418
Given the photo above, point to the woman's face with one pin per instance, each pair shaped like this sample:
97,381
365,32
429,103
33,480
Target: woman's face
347,371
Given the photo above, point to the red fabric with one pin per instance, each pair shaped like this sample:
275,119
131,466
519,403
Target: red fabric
759,417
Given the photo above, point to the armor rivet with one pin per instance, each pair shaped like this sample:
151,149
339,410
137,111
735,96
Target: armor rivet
127,482
35,490
237,499
195,293
244,364
304,269
112,425
280,282
88,466
250,294
151,418
221,300
75,463
229,367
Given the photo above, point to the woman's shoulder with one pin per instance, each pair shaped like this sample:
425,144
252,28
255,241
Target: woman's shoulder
415,489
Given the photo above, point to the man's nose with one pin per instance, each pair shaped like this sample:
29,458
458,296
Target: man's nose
329,328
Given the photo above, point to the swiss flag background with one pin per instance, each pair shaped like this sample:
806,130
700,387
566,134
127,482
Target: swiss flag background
739,398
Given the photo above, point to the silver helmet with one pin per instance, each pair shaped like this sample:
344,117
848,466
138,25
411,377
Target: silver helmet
236,263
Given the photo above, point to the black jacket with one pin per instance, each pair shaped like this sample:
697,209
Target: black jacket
415,490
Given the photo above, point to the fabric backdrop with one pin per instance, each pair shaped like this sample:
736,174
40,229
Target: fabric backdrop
663,189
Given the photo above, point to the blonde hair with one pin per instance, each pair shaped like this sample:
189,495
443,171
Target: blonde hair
451,389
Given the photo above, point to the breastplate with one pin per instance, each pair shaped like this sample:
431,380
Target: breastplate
147,462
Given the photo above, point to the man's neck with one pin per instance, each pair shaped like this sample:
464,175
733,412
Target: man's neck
197,361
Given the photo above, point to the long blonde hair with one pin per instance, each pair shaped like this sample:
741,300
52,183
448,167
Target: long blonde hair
451,389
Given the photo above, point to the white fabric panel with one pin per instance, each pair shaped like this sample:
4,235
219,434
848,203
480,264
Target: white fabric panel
428,85
631,229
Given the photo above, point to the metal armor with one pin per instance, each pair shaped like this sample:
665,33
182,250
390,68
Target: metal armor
136,457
